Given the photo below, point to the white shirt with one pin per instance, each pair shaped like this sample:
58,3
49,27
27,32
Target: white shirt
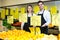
46,16
29,15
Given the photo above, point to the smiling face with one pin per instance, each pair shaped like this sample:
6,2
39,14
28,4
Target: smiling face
41,5
30,9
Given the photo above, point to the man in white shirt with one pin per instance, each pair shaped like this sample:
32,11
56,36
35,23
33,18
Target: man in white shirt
45,18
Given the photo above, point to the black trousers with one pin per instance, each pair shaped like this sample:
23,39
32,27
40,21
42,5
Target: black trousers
44,29
26,27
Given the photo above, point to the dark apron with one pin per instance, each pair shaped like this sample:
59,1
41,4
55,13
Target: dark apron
27,25
43,29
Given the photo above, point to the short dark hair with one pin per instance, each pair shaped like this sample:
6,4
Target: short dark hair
40,2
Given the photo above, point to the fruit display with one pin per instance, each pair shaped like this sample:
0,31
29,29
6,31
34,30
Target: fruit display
35,30
23,35
50,25
59,36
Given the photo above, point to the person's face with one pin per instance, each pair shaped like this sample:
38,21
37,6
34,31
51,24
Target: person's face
41,5
29,9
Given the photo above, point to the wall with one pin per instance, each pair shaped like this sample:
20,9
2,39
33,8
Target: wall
0,3
49,4
53,3
58,5
14,2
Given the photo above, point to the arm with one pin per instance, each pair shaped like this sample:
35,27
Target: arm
22,25
47,17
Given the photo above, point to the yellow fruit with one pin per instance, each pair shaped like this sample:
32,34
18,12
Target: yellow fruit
59,36
50,25
23,35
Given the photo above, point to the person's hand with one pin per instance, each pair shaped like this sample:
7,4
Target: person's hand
34,26
43,25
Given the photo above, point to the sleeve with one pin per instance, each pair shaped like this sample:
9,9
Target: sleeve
47,18
22,25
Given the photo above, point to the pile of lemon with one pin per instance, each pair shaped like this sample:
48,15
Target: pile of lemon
16,35
23,35
35,30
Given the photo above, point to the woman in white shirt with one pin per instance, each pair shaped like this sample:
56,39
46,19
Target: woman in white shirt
29,14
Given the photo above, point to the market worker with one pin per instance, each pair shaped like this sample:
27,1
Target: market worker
25,26
45,18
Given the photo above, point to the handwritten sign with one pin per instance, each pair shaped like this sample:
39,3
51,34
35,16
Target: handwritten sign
10,19
22,17
36,20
